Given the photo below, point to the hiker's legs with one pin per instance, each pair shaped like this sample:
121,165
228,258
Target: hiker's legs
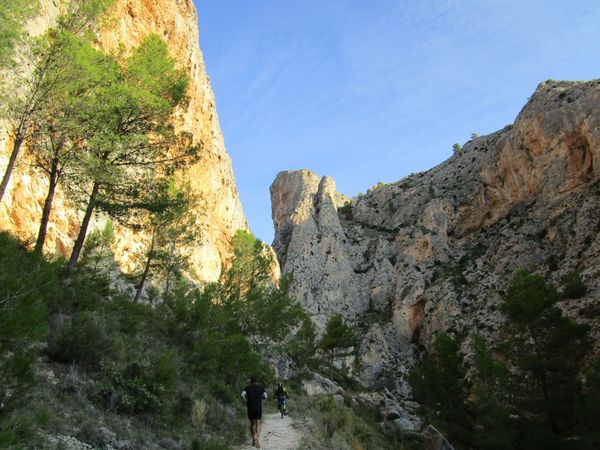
253,431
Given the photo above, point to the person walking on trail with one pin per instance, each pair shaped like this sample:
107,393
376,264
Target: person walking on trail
281,396
253,395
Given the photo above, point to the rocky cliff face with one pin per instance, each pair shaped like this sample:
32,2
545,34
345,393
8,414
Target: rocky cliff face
218,213
436,250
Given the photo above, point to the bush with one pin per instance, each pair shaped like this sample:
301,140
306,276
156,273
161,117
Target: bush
573,286
337,426
346,210
85,339
149,362
25,284
134,389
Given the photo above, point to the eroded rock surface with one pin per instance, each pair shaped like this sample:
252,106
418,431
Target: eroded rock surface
218,212
436,250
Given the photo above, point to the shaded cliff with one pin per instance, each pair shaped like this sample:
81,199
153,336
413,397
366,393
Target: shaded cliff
436,250
218,211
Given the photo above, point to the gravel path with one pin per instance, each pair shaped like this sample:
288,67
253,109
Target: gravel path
277,434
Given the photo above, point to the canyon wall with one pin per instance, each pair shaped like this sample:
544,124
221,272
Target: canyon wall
436,250
218,212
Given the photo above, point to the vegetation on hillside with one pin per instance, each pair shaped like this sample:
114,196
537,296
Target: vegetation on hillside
110,357
535,389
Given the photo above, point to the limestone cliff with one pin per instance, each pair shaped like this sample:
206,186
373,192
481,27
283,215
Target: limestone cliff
218,212
436,250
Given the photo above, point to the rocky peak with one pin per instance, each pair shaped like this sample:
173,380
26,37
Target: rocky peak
435,250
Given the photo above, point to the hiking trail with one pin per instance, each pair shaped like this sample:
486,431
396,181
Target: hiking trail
277,434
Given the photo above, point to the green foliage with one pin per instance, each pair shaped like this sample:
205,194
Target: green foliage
23,317
118,115
151,74
98,247
573,286
138,360
491,401
85,339
440,386
346,210
547,349
13,15
339,426
456,148
528,297
84,16
338,336
535,390
251,301
22,310
173,231
302,346
30,88
135,388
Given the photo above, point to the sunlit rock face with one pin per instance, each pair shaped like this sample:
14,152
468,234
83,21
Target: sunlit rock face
218,211
435,251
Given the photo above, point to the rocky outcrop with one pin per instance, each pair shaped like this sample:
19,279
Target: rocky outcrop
218,212
436,250
434,440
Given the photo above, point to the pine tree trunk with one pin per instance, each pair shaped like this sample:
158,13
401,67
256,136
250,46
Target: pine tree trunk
170,270
83,229
52,182
11,162
138,292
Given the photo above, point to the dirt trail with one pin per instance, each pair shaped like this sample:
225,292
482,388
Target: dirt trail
277,434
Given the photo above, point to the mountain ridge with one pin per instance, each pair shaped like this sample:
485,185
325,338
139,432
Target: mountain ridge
434,251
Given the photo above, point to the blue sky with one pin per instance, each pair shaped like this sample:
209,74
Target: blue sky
373,90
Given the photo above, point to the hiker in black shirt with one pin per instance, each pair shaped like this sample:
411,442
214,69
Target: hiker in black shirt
253,395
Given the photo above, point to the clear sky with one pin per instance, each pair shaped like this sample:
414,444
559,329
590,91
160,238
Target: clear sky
373,90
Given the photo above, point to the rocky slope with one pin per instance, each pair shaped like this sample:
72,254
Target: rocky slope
436,250
218,212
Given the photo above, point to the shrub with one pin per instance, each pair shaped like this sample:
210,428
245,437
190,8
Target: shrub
573,286
84,339
553,262
135,390
346,210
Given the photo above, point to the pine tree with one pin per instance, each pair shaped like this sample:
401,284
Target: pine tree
546,351
440,385
338,336
491,401
128,133
13,15
255,304
172,230
25,94
55,140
